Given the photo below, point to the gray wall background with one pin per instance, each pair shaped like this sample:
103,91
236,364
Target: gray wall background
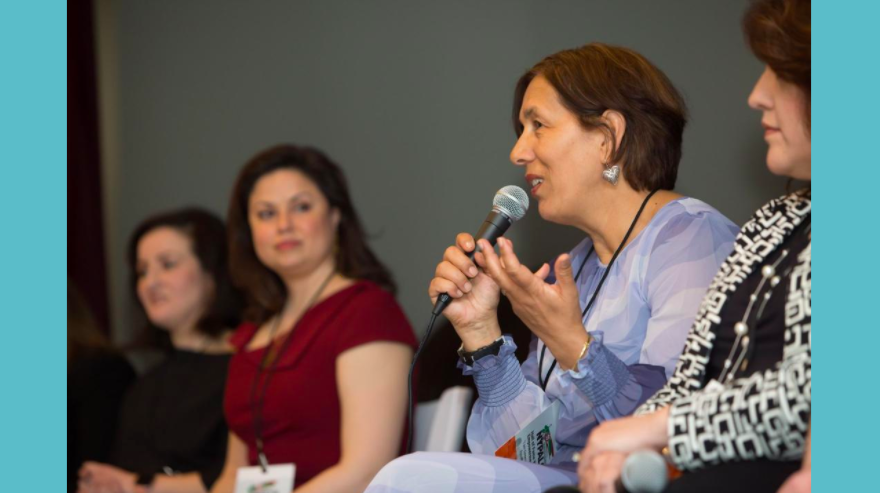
413,99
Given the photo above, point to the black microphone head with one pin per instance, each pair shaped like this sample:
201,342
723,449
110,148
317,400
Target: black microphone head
644,471
511,201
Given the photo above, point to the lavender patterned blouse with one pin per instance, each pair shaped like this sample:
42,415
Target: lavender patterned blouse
639,323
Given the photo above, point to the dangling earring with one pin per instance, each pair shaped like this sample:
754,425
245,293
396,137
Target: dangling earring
611,174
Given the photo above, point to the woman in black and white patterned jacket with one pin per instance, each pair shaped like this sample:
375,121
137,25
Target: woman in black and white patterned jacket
735,415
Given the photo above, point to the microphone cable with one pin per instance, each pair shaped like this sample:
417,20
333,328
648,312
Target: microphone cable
410,410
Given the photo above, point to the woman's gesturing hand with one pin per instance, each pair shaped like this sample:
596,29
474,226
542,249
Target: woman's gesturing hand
473,311
551,311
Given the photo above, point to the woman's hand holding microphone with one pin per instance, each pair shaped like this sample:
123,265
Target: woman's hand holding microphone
551,311
474,309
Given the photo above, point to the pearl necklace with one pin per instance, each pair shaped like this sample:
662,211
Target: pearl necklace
742,329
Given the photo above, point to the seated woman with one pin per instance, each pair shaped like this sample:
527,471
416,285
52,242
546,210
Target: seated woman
172,435
97,378
319,374
734,416
600,131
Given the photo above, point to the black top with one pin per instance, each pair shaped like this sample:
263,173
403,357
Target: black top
173,418
767,334
96,384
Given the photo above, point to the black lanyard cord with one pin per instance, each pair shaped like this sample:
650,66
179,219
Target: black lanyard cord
258,398
632,226
258,392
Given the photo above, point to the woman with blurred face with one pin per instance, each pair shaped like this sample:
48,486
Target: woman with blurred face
318,379
735,415
172,434
172,286
599,142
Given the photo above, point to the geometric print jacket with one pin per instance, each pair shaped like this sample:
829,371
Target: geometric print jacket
764,415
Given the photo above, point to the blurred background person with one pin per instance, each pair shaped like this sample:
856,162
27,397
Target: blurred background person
599,142
319,374
735,414
97,378
172,435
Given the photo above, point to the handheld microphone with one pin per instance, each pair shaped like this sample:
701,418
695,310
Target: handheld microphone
644,471
509,205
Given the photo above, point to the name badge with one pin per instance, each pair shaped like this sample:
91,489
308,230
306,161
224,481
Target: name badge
536,442
276,479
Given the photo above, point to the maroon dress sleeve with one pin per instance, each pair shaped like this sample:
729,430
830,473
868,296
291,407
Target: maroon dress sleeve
373,316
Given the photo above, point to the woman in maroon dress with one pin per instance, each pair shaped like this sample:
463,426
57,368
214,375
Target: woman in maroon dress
319,376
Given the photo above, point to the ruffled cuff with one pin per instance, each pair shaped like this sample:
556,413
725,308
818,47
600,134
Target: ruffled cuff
600,375
499,379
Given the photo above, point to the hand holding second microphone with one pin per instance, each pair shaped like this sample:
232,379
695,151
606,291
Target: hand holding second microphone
600,460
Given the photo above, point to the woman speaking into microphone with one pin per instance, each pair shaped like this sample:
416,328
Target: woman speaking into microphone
599,142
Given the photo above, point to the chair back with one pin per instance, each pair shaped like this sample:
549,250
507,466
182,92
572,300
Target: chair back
440,425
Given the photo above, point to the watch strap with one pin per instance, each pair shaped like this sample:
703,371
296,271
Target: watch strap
471,357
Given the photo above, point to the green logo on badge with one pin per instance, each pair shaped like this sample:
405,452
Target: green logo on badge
266,487
545,445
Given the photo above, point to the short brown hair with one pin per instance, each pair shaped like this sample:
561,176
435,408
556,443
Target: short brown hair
598,77
778,32
264,290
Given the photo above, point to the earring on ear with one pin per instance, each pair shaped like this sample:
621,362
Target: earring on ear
611,174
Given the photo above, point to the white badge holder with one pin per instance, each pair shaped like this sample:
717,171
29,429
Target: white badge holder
536,442
271,479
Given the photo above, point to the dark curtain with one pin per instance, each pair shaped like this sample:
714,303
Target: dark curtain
85,231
